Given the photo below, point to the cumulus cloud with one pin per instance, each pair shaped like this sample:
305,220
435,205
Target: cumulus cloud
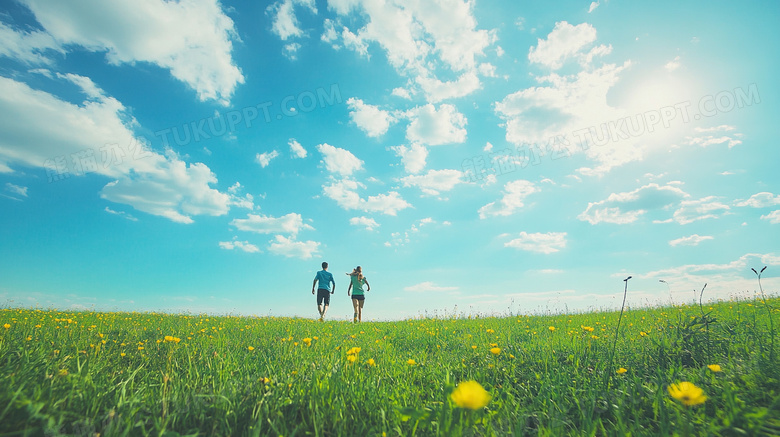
690,211
760,200
265,158
691,240
193,40
344,192
284,22
419,39
412,157
16,189
546,243
296,149
291,248
773,217
291,223
627,207
562,43
29,47
370,119
367,222
435,181
672,65
239,245
515,193
339,161
433,127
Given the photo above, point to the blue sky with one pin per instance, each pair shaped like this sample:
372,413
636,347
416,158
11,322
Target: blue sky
472,156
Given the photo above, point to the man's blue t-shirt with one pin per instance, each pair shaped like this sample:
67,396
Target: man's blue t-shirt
324,278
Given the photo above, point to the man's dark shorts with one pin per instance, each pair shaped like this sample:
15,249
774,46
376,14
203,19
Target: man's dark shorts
323,295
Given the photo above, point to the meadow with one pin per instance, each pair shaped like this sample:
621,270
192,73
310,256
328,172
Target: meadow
707,369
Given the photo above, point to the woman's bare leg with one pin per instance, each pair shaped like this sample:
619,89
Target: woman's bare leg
356,308
360,310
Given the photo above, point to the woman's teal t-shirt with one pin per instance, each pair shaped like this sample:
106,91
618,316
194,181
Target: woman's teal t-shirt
357,285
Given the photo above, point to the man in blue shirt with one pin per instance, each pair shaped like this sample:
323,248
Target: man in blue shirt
324,291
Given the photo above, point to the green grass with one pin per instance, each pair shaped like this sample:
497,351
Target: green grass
63,373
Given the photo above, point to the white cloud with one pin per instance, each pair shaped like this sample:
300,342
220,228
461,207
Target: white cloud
515,193
437,90
435,181
412,157
297,150
709,140
294,249
370,119
284,22
691,240
773,217
433,127
265,158
247,201
627,207
191,39
546,243
672,65
760,200
291,223
593,6
367,222
339,161
241,245
27,47
420,38
690,211
427,287
16,189
563,42
121,214
344,192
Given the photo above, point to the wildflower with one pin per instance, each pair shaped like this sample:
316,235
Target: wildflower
250,348
7,326
122,354
353,351
551,328
714,367
371,362
621,371
474,347
140,348
351,358
495,350
307,340
490,331
586,328
411,362
687,393
643,333
471,395
493,344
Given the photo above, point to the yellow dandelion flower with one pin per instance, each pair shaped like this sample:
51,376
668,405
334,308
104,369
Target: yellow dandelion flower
351,358
493,344
411,362
643,333
621,371
495,350
490,331
353,351
474,347
551,328
140,348
687,393
122,354
371,362
471,395
250,348
587,328
7,326
714,367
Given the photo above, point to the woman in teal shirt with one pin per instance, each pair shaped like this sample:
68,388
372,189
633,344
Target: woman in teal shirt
356,287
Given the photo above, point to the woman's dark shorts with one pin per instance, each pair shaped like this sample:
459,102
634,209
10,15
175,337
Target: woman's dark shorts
323,295
358,296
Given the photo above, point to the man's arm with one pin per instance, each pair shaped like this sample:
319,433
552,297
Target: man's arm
333,287
313,284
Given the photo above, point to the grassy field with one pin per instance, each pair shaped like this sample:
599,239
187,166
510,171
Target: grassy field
88,373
